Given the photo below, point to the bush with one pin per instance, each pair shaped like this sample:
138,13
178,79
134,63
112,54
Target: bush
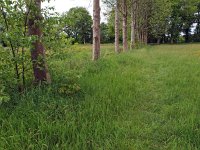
4,97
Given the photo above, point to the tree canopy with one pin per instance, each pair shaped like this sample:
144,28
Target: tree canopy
78,24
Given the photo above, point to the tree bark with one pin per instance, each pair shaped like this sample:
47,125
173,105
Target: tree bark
133,18
125,36
117,49
146,25
40,69
96,30
137,15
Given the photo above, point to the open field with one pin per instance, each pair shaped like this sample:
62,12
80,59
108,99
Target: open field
147,98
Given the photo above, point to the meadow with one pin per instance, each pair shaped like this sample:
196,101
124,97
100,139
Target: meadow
148,98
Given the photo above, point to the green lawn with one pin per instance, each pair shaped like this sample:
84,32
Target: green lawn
143,99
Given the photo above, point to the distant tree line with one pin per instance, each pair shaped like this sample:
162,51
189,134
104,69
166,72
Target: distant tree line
138,22
154,21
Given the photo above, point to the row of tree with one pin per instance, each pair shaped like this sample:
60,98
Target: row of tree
151,21
138,21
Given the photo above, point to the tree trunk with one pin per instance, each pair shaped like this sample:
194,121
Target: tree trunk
125,36
187,35
40,69
146,37
84,40
137,15
133,18
163,39
117,50
96,30
172,39
158,40
146,27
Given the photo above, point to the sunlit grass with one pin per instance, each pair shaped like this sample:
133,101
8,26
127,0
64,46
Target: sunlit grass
143,99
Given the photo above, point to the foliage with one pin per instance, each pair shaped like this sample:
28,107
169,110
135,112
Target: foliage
78,24
105,34
54,37
175,24
161,10
13,35
16,63
166,20
4,97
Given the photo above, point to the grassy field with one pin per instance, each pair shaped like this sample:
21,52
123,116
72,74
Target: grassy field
143,99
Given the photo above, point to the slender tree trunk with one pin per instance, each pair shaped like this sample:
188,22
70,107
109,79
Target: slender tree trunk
158,40
146,27
125,36
186,35
117,50
137,21
40,69
133,18
96,29
84,40
141,36
163,39
14,55
171,39
146,36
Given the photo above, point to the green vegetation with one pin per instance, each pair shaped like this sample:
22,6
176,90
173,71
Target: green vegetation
77,24
53,96
143,99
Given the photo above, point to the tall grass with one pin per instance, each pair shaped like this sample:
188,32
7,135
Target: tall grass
143,99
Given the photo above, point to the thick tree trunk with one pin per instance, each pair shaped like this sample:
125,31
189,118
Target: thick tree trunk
133,18
40,69
117,49
125,36
96,29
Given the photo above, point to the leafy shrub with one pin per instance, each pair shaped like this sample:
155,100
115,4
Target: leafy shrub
4,97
